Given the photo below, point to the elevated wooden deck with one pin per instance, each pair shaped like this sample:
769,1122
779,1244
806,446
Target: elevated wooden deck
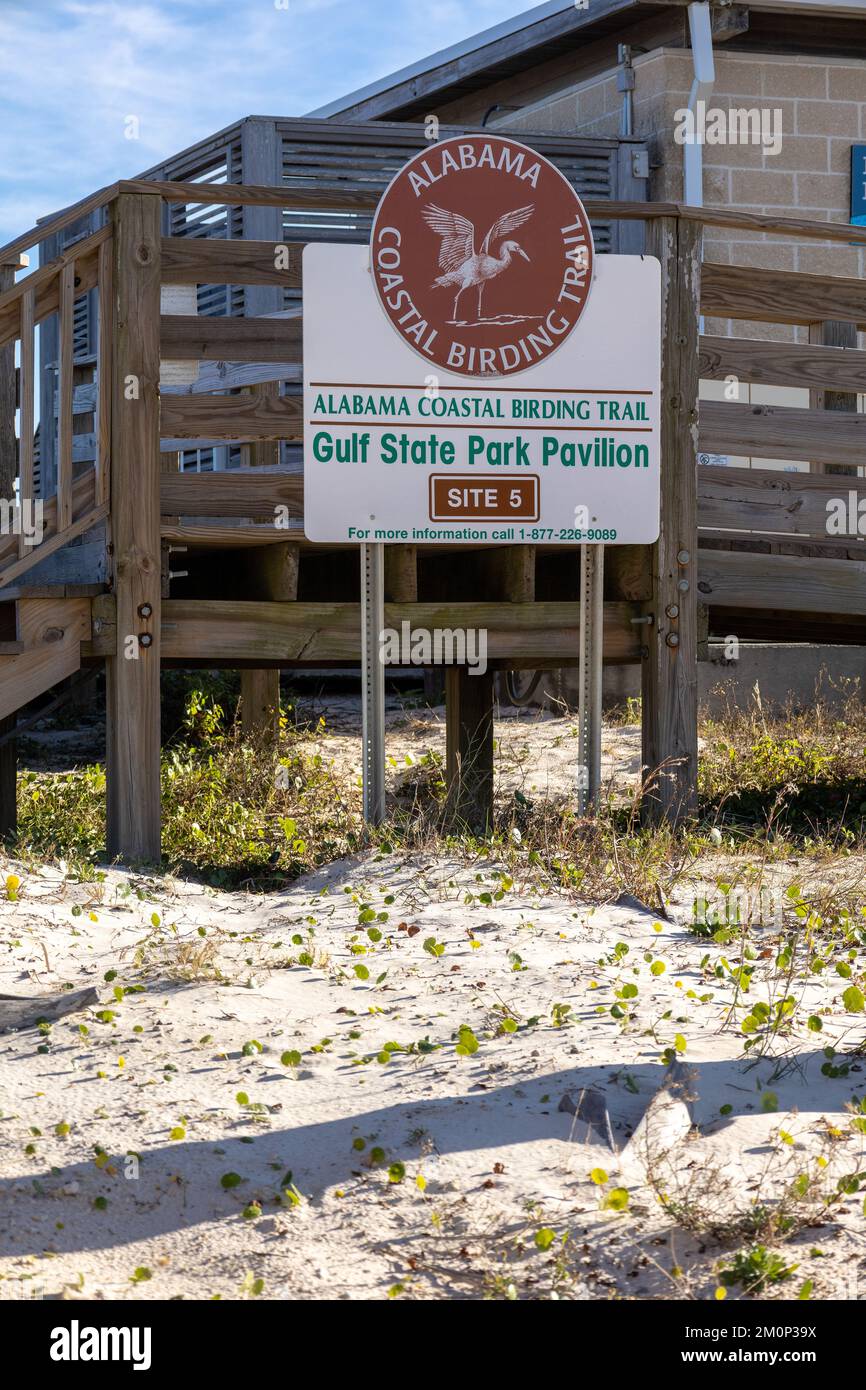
742,550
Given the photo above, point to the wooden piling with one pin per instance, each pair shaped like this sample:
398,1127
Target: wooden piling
469,748
670,665
8,470
132,672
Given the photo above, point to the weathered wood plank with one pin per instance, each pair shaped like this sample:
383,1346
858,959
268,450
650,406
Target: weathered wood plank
301,198
52,631
736,579
65,388
776,431
214,261
103,401
780,296
132,672
223,376
221,537
307,633
28,407
11,459
232,417
766,501
783,364
236,492
189,337
469,749
669,671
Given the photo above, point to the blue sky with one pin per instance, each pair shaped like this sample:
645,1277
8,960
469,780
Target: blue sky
73,71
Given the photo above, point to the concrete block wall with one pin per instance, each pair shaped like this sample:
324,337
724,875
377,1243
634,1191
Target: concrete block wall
823,112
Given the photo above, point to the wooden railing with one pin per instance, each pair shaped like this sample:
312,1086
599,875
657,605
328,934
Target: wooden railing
80,499
663,585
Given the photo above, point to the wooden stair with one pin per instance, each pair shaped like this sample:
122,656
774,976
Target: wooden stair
41,632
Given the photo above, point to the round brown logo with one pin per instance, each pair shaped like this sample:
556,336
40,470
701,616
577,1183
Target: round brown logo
481,255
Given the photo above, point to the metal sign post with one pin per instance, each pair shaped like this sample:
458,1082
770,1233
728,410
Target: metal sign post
373,681
591,650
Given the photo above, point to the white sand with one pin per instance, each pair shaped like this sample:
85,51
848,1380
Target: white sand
500,1161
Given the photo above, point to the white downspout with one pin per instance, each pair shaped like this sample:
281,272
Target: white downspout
701,34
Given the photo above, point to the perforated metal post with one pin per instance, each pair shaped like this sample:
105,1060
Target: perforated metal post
591,648
373,681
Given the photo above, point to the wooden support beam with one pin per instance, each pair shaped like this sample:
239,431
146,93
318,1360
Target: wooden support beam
132,672
670,667
260,703
232,632
777,431
65,388
628,572
28,410
401,574
469,749
103,402
511,570
8,471
833,335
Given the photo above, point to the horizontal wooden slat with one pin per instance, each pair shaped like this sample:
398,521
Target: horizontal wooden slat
786,625
254,492
214,261
187,337
248,195
783,364
845,547
231,417
224,376
223,537
765,501
739,580
309,633
775,431
780,296
256,195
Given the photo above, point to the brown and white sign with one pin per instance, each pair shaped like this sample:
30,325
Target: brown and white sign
482,256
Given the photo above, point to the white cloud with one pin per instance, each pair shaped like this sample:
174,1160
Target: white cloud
72,71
